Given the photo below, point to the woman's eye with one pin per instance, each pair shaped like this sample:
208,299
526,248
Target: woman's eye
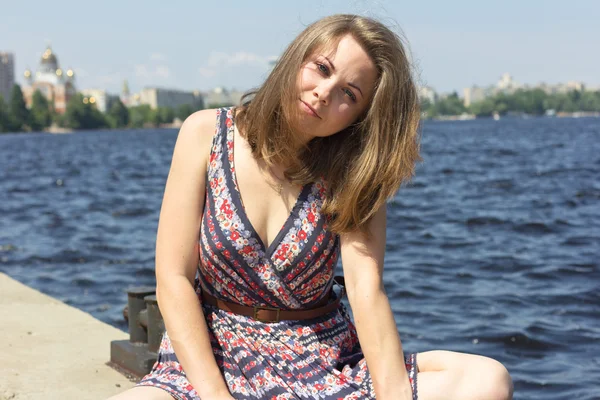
350,94
322,68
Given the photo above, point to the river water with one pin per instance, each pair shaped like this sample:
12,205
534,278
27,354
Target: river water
493,249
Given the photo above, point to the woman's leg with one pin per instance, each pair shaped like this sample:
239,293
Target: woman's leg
143,392
450,375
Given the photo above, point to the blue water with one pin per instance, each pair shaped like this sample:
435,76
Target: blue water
493,249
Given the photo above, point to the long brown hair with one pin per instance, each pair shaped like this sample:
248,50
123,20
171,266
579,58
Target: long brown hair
363,165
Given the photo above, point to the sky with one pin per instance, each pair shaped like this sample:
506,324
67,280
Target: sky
199,45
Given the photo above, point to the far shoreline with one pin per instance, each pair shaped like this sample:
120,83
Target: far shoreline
56,130
61,131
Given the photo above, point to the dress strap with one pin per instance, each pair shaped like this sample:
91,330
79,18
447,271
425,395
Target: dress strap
219,141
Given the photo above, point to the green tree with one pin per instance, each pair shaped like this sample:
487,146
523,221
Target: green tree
450,105
3,116
139,115
184,111
18,112
574,95
426,107
562,102
590,101
58,119
220,105
568,105
81,114
528,101
155,117
484,108
118,115
167,115
75,112
40,113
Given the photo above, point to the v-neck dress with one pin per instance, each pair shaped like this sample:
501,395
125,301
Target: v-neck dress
318,358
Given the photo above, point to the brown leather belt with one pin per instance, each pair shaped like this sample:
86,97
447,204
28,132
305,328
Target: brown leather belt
270,314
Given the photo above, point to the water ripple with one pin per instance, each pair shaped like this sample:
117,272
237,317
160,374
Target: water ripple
492,249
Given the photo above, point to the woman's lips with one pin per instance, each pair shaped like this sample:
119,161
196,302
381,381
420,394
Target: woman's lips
309,109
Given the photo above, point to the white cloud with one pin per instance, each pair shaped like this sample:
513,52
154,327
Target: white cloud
234,64
220,59
157,57
141,71
207,72
109,79
145,71
162,71
81,73
155,69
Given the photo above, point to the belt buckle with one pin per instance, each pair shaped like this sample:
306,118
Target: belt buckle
257,309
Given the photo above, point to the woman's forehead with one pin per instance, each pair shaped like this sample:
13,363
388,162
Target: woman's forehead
346,43
326,46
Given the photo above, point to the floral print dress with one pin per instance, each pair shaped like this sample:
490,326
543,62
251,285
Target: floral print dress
319,358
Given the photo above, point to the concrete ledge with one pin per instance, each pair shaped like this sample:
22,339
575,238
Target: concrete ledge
51,350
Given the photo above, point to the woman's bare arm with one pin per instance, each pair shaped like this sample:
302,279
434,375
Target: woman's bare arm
177,255
362,261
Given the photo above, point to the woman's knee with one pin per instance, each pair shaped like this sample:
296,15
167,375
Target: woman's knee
473,376
142,392
497,383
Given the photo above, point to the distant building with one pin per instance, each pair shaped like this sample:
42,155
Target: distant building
427,93
569,86
125,95
7,75
170,98
474,94
56,85
220,96
236,96
562,87
100,98
545,87
506,84
592,88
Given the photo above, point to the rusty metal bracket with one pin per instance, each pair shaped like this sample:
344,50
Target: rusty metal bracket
137,355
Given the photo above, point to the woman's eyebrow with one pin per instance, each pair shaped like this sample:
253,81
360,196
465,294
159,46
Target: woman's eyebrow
355,86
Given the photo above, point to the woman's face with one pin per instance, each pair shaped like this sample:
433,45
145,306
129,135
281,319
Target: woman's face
335,86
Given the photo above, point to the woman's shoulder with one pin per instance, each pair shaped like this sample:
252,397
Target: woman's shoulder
195,138
199,127
202,122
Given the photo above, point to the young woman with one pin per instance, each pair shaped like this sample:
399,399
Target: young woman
261,207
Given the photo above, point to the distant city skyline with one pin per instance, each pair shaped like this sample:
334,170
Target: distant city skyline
189,46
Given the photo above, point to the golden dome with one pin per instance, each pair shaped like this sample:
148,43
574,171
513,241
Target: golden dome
59,72
27,73
70,73
49,58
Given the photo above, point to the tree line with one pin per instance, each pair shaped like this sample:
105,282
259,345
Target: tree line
527,101
80,114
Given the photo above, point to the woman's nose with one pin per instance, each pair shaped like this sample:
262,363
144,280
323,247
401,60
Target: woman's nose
323,93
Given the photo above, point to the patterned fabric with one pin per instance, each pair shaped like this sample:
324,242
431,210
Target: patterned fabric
319,358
